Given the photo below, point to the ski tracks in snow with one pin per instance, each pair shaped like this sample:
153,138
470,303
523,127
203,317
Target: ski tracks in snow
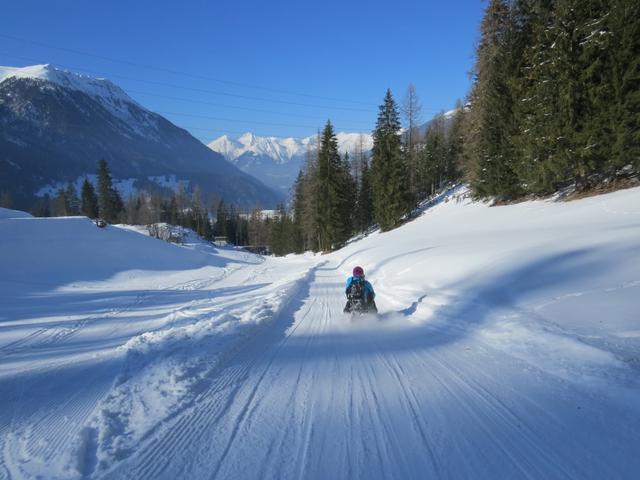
317,395
306,392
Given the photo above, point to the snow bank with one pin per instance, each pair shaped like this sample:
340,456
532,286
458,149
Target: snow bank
8,213
45,253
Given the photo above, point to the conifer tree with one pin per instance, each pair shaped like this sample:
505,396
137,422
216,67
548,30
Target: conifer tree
334,197
5,200
280,239
60,204
625,51
172,211
221,220
89,200
454,144
110,203
537,110
348,195
71,197
489,145
43,207
311,190
435,158
391,196
364,205
298,213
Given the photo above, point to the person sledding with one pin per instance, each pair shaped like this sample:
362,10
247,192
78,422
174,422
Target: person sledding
360,294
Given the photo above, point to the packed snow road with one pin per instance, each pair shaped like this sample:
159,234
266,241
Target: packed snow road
323,395
507,346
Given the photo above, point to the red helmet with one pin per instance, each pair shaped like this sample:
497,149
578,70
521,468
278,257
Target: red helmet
358,272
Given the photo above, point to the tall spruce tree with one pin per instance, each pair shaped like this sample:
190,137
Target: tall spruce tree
89,200
334,198
490,147
390,185
5,200
349,195
110,203
71,197
364,206
60,204
625,50
454,144
221,220
310,193
434,165
298,213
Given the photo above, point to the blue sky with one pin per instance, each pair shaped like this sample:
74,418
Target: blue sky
273,67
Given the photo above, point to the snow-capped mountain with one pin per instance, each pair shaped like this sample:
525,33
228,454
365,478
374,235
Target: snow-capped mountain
55,125
275,160
100,88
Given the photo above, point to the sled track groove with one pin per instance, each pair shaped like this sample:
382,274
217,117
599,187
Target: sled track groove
47,336
193,421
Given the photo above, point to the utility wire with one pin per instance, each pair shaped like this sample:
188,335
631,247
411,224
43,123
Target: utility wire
234,120
184,74
213,92
199,90
290,125
192,100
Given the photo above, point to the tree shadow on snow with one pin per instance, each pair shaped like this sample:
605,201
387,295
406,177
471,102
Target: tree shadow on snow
477,300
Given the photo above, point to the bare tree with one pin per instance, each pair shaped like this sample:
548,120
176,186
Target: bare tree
411,109
360,155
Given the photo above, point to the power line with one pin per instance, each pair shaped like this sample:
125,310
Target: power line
199,90
185,74
213,92
203,102
207,117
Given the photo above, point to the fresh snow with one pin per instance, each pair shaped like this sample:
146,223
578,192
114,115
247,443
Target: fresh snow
507,346
6,213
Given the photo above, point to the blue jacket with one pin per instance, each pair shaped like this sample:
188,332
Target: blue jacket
367,286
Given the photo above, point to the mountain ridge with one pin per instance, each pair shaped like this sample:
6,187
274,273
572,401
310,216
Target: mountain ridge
277,160
57,124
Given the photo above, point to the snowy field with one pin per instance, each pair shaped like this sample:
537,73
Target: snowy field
507,347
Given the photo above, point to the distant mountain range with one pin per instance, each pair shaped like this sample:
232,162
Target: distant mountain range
55,125
276,161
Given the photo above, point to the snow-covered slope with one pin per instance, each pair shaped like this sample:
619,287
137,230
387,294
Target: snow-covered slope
506,347
276,161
